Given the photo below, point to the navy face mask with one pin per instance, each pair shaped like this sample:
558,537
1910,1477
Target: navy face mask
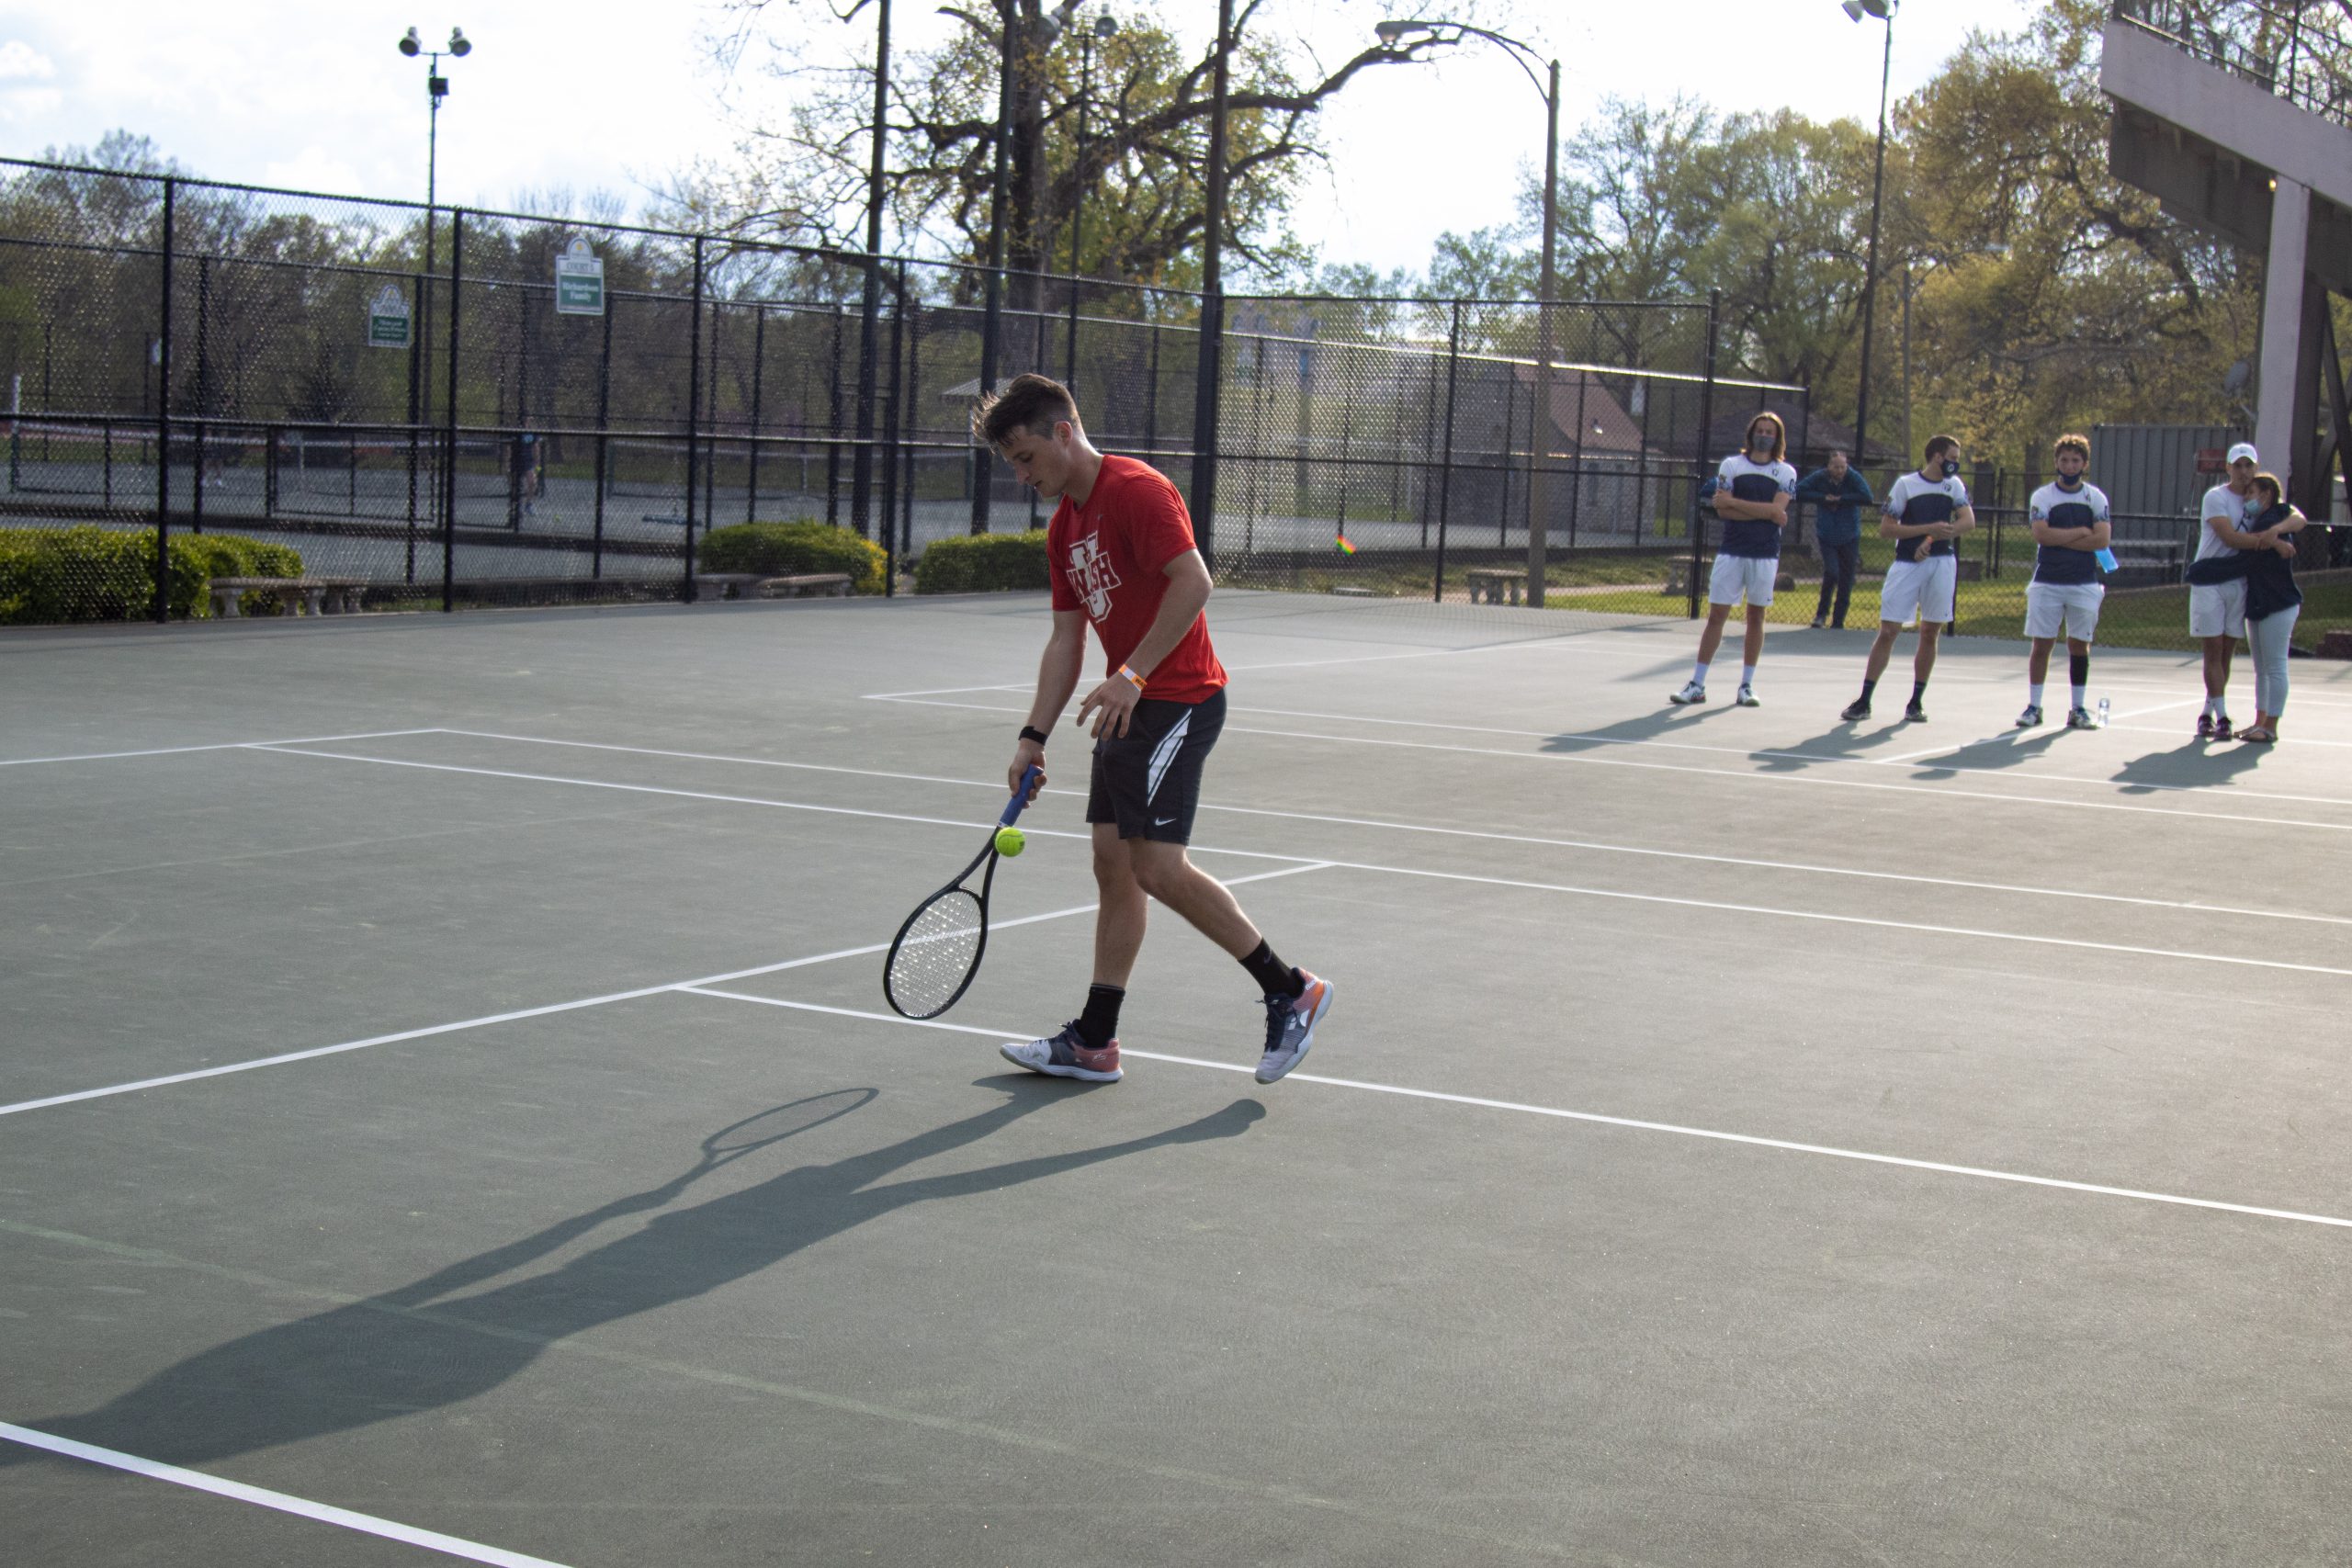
1952,468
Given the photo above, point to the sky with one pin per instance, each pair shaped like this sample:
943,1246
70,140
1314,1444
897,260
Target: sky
590,95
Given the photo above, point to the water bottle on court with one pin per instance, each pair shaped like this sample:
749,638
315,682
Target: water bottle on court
2102,713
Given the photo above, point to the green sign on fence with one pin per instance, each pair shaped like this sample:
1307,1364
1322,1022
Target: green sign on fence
579,281
388,318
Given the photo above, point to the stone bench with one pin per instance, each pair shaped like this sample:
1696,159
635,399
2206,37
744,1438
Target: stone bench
1491,582
720,586
317,595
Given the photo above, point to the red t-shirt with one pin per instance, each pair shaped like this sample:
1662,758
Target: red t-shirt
1107,558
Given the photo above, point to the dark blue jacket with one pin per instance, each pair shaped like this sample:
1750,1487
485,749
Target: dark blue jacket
1839,518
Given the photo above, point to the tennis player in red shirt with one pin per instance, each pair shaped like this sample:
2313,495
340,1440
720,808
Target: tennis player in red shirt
1120,554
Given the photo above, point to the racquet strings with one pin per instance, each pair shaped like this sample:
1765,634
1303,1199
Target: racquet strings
935,954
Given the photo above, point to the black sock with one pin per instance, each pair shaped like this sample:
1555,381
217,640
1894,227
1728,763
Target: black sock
1918,691
1274,977
2078,668
1100,1022
1868,687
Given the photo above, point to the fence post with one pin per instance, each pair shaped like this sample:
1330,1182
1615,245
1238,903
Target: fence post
415,375
861,474
694,404
832,427
604,437
1445,468
203,389
164,424
886,516
752,459
1208,404
1706,426
910,416
449,417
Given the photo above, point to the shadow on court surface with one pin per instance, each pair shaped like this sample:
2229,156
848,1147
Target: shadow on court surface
2004,751
2198,761
422,1347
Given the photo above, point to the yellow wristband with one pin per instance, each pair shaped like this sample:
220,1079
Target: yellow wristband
1132,676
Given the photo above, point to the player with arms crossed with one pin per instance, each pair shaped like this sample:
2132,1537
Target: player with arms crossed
1120,553
2070,523
1753,489
1925,512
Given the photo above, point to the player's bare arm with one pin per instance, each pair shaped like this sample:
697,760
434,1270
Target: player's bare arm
1057,672
1188,587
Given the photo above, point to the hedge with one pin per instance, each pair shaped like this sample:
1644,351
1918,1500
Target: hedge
52,575
980,563
792,549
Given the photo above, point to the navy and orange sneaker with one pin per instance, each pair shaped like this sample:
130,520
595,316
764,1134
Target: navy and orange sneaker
1289,1026
1065,1056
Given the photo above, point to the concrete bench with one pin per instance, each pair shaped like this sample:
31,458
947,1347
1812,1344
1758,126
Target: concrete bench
317,595
715,586
1491,582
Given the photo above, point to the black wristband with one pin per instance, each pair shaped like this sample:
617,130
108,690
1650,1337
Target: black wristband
1038,736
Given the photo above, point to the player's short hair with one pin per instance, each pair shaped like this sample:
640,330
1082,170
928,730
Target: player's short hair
2072,442
1939,444
1780,432
2269,482
1841,452
1029,402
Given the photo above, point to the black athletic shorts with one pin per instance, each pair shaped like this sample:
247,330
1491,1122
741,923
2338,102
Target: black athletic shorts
1149,780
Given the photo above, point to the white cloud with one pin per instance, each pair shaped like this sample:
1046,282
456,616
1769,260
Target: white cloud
20,62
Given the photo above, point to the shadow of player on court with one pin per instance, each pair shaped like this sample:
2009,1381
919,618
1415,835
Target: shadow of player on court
2005,750
1839,743
429,1344
1633,731
2198,761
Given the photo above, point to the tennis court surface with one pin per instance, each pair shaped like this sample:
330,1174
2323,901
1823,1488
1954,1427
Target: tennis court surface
449,1111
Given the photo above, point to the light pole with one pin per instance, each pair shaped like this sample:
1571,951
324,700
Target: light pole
1884,11
1524,55
861,490
1105,28
1206,401
436,87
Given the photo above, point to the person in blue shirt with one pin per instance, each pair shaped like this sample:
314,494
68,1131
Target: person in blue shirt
1837,494
1753,491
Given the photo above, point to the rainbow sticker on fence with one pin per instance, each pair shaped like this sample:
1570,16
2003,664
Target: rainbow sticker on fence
1342,543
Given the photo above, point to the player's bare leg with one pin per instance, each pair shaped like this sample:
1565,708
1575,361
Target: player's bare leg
1120,917
1167,873
1295,1000
1712,637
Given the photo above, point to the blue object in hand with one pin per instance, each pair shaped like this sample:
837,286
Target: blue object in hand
2105,560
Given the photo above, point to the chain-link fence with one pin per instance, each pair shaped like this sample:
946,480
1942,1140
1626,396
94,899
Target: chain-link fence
395,408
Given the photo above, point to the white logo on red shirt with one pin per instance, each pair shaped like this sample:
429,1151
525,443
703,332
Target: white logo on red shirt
1090,577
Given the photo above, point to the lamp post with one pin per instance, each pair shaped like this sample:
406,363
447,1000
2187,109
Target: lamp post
436,87
1105,28
1884,11
1210,372
1524,55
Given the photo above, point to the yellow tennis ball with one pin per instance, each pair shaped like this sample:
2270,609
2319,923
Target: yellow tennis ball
1010,841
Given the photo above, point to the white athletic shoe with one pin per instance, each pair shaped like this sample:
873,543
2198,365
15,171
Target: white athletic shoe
1689,695
1290,1027
1747,698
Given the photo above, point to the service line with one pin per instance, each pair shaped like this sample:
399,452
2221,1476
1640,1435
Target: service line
1632,1123
237,1491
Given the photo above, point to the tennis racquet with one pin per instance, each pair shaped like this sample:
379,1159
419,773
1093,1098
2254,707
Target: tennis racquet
937,951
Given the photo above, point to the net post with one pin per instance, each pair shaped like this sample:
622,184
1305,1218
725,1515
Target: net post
162,608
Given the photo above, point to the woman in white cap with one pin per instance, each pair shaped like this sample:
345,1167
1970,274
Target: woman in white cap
2217,610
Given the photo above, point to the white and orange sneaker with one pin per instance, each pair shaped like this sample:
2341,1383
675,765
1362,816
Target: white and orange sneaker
1065,1056
1290,1027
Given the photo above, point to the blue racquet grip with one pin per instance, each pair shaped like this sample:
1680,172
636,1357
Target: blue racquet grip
1020,798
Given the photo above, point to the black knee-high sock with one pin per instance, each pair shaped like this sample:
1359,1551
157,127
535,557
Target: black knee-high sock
1100,1022
1273,977
1918,691
2078,668
1868,687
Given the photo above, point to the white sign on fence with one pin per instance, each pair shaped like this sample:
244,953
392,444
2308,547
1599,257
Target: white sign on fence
388,318
579,281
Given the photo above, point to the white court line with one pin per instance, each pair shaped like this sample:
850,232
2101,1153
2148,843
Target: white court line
1901,759
1487,835
1943,792
237,1491
483,1023
1350,865
218,746
1596,1118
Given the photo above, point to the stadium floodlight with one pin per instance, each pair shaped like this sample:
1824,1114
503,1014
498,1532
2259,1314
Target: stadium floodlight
410,45
1106,27
459,44
1857,10
1394,32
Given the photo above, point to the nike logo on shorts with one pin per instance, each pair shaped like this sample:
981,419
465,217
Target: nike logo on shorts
1161,821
